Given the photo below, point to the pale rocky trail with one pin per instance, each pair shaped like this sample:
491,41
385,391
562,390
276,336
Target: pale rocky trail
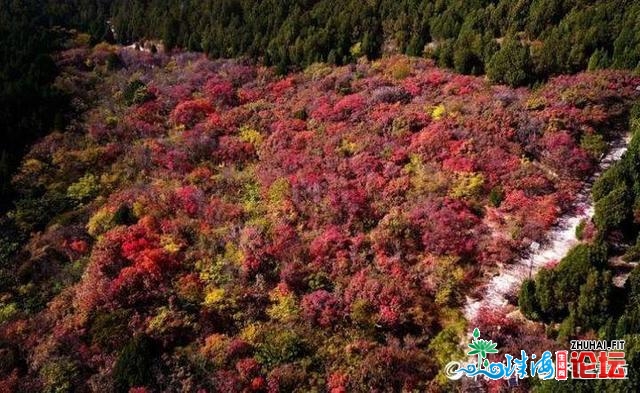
561,239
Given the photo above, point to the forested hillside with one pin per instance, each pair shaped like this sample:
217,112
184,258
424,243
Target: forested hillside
26,101
212,225
29,105
580,293
516,42
513,42
302,195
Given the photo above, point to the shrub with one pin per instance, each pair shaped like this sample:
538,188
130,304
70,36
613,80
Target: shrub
400,70
284,307
279,346
389,95
113,61
594,144
467,185
580,229
496,195
510,64
527,300
84,189
59,376
249,135
438,112
322,308
594,302
188,113
612,211
35,213
110,329
100,222
134,364
124,215
556,289
136,92
612,178
445,347
7,311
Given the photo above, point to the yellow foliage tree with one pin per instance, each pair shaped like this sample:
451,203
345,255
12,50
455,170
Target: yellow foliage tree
467,185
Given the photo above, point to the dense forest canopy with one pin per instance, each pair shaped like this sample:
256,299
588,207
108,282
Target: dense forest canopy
311,212
210,225
25,72
29,105
513,42
560,35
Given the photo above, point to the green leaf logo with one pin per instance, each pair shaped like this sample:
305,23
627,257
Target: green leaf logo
481,347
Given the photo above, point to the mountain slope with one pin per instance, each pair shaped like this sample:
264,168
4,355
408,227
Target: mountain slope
211,225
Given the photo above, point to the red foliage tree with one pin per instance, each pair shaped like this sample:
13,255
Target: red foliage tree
447,227
188,113
321,308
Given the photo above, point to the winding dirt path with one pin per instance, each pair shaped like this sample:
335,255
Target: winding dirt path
561,239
